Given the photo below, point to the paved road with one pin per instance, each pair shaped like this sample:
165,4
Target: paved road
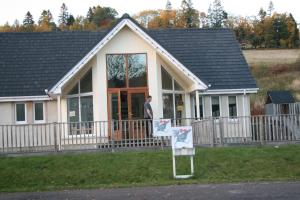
243,191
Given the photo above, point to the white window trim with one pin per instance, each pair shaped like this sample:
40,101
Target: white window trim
25,107
44,115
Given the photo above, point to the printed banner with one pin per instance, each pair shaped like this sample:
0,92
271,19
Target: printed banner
161,127
182,137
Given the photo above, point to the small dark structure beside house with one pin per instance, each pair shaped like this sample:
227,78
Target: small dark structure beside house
281,102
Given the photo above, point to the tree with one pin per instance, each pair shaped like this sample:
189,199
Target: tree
270,8
188,15
217,15
45,22
262,14
103,17
70,20
28,22
63,16
147,16
90,15
168,5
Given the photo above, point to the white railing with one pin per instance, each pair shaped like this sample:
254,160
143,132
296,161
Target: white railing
129,134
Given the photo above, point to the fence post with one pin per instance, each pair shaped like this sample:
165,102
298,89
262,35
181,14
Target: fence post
261,128
55,137
212,132
221,131
112,135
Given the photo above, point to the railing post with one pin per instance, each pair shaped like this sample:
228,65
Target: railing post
112,136
261,128
212,132
221,131
56,147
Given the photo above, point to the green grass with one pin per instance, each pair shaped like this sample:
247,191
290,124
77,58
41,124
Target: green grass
94,170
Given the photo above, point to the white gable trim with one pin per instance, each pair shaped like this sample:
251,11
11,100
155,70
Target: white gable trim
56,89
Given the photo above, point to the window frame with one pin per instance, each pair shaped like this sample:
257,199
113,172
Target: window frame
79,95
44,119
220,108
25,113
236,104
173,91
126,55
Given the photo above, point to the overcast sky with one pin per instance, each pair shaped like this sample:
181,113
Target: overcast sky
16,9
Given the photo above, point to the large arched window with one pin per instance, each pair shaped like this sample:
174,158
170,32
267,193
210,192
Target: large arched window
173,97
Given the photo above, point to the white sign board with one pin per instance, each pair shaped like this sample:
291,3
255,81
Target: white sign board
161,127
182,137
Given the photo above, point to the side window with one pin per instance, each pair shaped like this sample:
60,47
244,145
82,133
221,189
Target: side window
39,112
232,106
20,113
215,106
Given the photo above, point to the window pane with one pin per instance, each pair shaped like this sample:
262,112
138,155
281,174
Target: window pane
179,106
201,106
116,72
73,111
74,89
232,106
177,86
86,83
137,70
20,112
86,109
168,106
39,111
166,80
215,104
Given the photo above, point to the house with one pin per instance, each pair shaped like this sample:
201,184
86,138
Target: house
70,77
281,102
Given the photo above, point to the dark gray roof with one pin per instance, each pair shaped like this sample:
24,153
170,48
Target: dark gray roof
213,55
33,62
280,97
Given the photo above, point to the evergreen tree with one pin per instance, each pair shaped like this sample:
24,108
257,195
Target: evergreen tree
90,15
70,20
270,8
28,23
63,16
262,14
217,15
189,16
28,20
168,5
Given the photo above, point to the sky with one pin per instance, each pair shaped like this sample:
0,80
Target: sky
10,10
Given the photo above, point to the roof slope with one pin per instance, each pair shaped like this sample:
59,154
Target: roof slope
280,97
32,62
213,55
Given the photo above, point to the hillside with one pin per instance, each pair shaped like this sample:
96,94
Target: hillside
273,70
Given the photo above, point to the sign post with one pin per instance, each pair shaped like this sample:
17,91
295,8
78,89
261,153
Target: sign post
182,142
182,145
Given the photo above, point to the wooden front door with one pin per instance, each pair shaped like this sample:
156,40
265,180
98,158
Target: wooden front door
125,108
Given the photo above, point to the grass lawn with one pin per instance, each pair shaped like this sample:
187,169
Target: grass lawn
94,170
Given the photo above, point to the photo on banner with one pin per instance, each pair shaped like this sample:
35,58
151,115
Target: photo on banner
161,127
182,137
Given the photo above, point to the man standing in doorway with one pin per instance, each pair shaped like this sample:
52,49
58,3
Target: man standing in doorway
148,115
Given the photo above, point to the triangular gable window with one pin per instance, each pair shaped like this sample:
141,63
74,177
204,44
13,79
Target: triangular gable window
168,82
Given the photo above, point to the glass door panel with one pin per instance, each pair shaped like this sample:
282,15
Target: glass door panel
137,105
